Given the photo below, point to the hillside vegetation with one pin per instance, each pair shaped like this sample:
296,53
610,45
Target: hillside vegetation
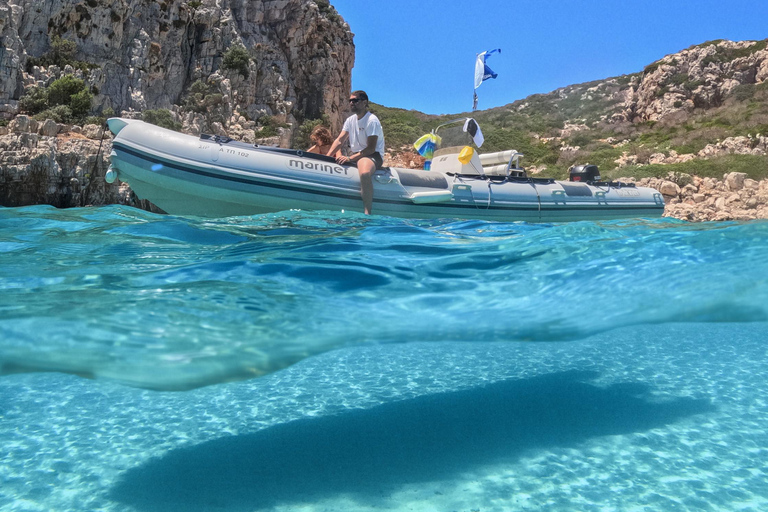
701,111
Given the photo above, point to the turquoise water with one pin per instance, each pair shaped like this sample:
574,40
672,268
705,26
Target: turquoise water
402,365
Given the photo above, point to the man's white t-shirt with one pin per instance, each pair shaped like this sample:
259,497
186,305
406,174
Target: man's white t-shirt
360,129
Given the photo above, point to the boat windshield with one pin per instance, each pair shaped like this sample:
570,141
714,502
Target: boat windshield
456,133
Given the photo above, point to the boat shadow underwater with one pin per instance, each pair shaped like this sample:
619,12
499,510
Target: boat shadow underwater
368,454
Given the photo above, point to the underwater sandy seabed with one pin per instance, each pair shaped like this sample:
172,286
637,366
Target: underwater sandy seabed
666,417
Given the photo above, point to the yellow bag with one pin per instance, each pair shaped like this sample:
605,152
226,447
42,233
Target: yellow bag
466,155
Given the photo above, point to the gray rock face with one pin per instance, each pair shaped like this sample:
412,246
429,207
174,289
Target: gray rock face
149,53
699,77
11,55
63,171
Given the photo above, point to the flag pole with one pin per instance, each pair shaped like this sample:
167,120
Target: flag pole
474,92
482,72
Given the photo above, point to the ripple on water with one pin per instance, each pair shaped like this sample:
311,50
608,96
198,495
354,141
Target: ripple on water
164,301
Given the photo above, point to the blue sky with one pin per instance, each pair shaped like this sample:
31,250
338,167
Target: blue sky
420,54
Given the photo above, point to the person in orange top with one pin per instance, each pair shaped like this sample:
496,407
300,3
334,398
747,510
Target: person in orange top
321,139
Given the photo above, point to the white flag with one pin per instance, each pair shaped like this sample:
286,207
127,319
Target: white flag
482,71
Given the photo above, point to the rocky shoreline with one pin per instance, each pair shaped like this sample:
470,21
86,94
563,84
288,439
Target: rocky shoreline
692,198
64,166
60,165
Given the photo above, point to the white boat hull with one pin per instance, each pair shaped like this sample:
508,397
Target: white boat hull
186,175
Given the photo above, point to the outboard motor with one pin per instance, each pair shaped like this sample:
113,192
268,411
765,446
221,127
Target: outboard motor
586,172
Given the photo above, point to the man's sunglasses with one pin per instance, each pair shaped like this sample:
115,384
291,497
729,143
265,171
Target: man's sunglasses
354,100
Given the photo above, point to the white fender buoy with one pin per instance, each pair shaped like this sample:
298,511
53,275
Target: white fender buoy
111,175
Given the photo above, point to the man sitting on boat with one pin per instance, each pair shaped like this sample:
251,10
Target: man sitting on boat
366,140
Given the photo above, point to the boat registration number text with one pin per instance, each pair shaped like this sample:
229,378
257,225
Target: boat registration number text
226,151
627,192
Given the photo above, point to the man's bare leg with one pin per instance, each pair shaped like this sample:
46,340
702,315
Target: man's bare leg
366,167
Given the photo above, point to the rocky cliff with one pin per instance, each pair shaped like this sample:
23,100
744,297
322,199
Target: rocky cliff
135,55
144,54
699,77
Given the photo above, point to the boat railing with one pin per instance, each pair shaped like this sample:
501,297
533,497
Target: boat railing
503,163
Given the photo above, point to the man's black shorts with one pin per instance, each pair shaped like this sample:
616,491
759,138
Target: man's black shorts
377,159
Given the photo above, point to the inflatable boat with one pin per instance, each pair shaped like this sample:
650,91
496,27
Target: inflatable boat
214,176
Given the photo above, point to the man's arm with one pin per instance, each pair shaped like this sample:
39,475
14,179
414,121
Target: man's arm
341,139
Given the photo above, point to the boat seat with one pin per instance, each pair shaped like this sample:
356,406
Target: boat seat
422,179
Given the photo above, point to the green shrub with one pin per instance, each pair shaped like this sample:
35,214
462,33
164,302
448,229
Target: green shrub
61,91
101,119
717,122
581,138
213,99
327,10
202,95
604,156
72,92
535,151
266,132
98,120
743,92
713,42
161,117
66,100
63,51
59,113
650,68
200,87
237,59
80,103
736,53
679,78
692,85
268,127
34,100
